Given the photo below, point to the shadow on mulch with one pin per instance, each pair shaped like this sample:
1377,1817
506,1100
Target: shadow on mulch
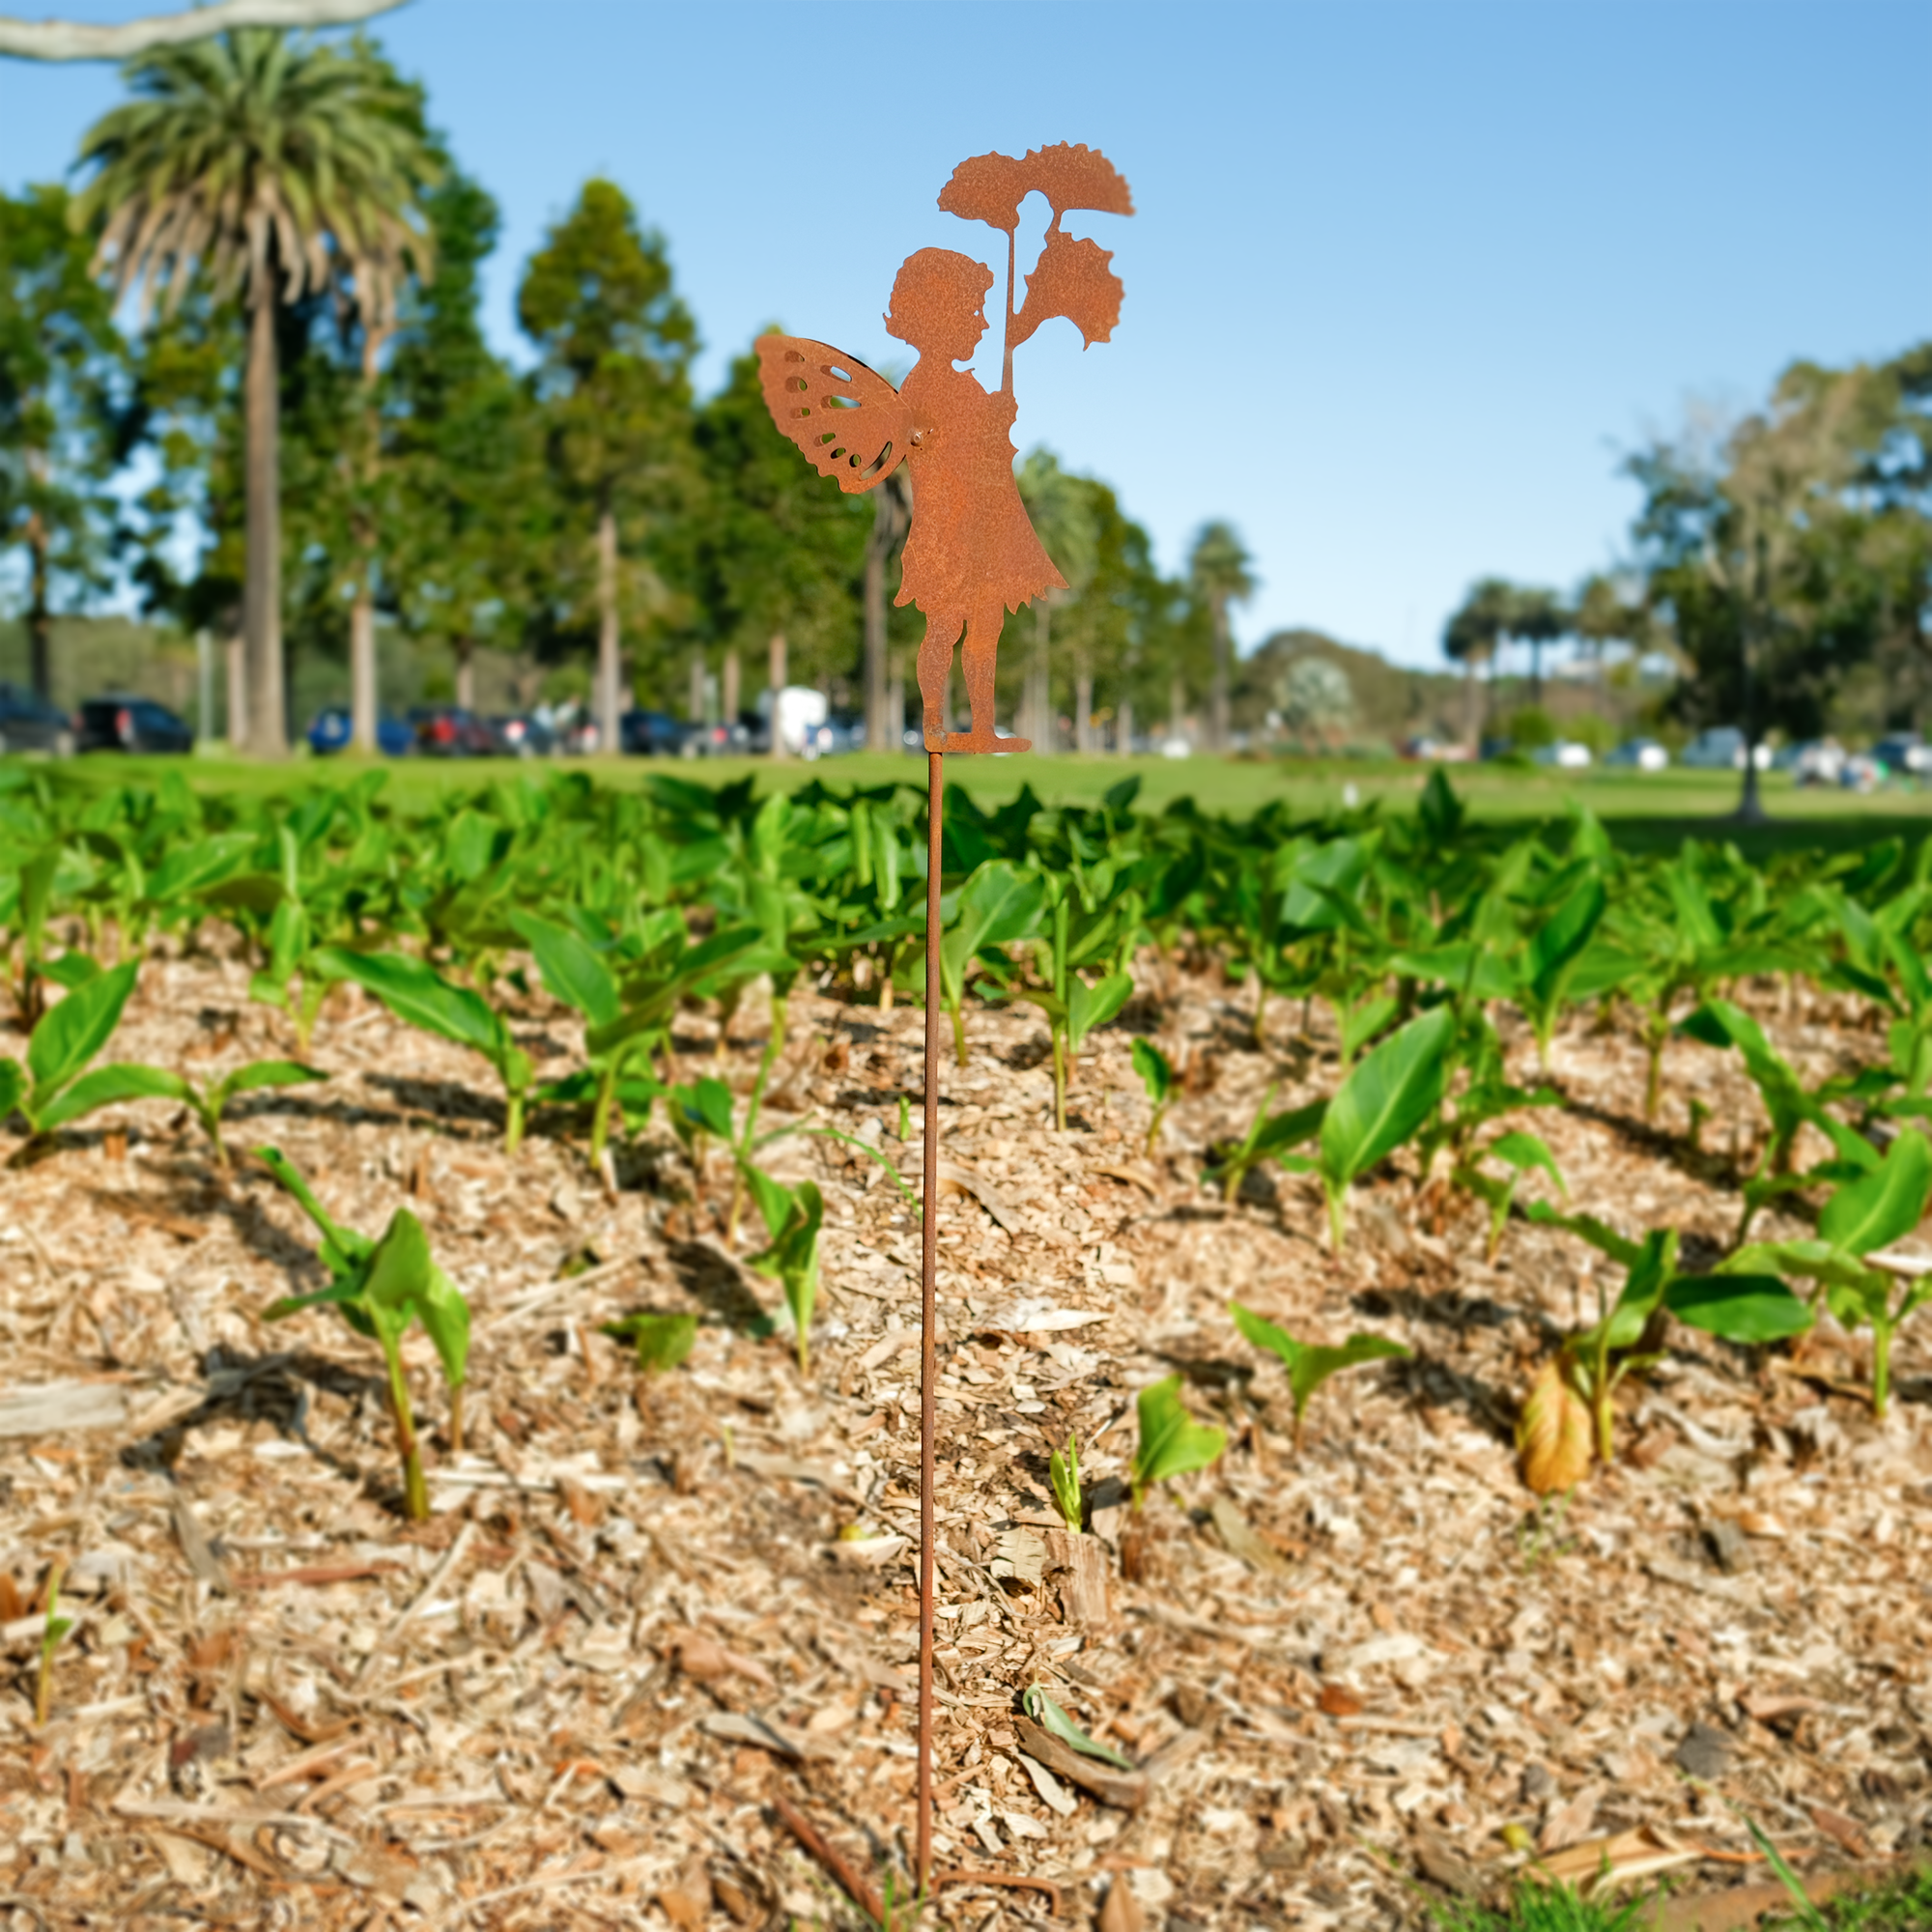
443,1099
708,1277
253,1389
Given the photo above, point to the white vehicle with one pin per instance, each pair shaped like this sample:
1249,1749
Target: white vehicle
1642,755
800,711
1819,762
1566,754
1721,749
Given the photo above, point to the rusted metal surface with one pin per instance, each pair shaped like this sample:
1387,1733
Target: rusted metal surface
971,557
929,1304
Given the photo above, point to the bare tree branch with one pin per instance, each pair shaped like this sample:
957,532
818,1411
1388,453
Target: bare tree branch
70,41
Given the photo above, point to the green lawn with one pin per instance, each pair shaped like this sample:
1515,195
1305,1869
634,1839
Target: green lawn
1644,812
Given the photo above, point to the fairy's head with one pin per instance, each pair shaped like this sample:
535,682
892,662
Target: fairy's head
939,303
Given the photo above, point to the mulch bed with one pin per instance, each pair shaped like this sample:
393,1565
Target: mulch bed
645,1612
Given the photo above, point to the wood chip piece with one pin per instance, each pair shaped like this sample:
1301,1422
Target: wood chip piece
1124,1789
53,1409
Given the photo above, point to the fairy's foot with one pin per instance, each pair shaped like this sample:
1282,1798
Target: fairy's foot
983,741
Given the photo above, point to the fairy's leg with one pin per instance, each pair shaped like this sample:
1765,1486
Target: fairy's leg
935,670
979,660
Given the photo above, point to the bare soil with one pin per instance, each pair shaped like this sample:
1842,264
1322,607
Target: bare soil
639,1615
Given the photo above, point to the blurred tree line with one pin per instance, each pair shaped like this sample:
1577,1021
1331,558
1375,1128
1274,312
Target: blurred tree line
243,367
1781,560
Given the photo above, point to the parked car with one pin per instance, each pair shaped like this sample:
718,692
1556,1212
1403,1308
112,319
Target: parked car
742,737
1903,755
126,723
517,734
650,734
28,723
448,731
1817,762
332,730
1640,754
1565,753
1722,748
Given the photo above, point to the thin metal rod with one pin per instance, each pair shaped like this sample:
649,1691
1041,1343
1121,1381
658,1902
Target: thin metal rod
928,1307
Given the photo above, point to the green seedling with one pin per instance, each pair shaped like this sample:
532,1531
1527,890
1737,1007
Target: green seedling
996,906
56,1627
1041,1708
1172,1442
792,1217
1073,1007
1064,1473
1385,1100
1556,952
1156,1073
1521,1154
905,1120
51,1089
1862,1219
379,1287
1269,1137
1308,1364
661,1341
421,997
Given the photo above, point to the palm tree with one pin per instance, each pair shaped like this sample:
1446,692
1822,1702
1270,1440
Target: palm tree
1217,575
275,167
1473,636
1537,617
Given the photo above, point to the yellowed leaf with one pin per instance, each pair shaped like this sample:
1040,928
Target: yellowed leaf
1552,1434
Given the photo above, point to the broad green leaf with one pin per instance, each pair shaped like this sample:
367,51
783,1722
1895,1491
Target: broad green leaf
107,1087
1600,1235
662,1341
1748,1308
343,1249
1052,1720
418,996
397,1279
445,1313
1885,1206
1171,1441
1090,1006
1310,1364
71,969
13,1087
71,1033
1155,1070
263,1073
1524,1151
571,970
1560,943
1388,1096
706,1104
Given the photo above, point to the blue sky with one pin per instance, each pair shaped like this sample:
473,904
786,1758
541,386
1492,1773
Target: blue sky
1404,279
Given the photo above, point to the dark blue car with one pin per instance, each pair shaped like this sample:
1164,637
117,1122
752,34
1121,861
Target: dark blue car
332,732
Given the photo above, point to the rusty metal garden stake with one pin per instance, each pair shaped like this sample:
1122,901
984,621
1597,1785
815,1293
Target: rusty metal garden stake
928,1306
972,558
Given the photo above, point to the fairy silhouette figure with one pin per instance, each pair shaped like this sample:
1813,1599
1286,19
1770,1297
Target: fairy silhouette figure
973,554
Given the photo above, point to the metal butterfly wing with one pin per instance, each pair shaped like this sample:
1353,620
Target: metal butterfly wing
850,423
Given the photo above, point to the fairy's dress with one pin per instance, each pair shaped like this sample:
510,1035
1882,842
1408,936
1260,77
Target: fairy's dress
972,543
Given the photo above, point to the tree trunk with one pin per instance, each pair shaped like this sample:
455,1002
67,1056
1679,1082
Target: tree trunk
1124,726
1472,697
878,738
774,677
730,701
693,696
266,731
895,710
40,618
237,721
1218,725
363,667
1082,707
610,670
464,650
1176,707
